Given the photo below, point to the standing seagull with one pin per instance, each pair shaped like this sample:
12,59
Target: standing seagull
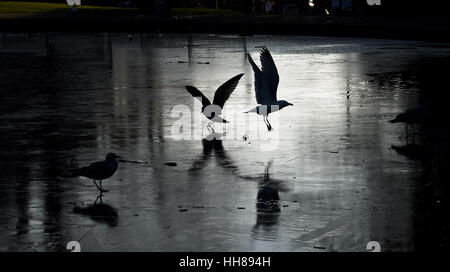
101,170
266,84
214,110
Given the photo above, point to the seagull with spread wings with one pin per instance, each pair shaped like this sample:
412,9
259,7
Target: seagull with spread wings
266,84
214,110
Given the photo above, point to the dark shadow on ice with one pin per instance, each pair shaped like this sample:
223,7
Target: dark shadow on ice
264,180
267,200
99,212
411,118
267,206
432,205
411,151
213,143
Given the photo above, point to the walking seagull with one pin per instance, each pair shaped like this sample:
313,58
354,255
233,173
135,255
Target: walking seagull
266,85
214,110
412,116
101,170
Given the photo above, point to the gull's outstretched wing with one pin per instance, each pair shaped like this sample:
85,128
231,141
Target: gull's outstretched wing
261,88
270,72
225,90
199,95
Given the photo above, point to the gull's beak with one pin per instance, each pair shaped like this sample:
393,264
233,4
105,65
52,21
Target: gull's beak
291,104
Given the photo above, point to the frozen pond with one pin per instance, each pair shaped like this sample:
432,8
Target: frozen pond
337,166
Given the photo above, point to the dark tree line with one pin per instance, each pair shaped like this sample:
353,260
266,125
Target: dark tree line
359,7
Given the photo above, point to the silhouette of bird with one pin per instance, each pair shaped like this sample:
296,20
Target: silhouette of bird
266,85
418,115
214,110
101,170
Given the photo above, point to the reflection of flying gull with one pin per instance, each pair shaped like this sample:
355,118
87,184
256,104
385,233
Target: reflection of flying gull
101,170
266,84
214,110
213,143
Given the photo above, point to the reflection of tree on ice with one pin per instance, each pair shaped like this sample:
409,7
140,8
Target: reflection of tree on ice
268,7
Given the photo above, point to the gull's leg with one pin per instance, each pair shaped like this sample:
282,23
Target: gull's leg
210,126
98,197
265,121
99,188
269,126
